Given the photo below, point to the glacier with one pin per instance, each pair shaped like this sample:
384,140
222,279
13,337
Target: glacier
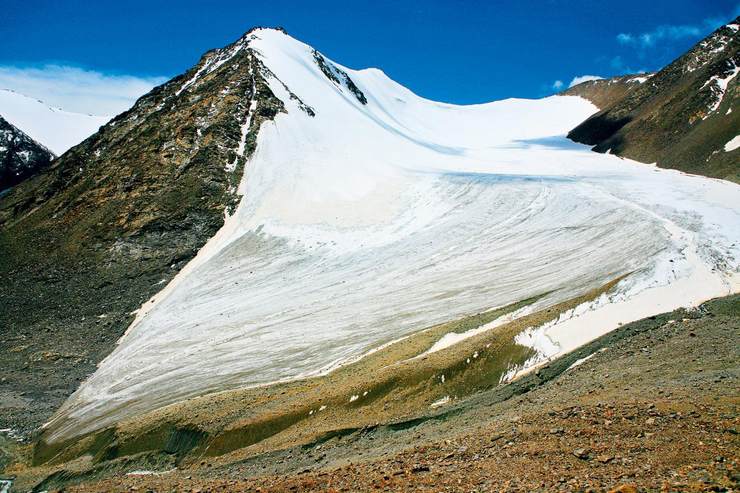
368,222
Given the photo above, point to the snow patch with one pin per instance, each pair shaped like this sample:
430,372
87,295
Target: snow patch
441,402
639,79
583,78
733,144
452,338
145,472
580,361
718,86
230,167
213,63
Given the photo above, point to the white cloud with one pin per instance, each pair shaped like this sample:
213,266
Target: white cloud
77,90
583,78
669,32
557,85
660,33
625,38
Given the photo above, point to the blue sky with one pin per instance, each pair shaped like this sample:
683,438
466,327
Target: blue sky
454,51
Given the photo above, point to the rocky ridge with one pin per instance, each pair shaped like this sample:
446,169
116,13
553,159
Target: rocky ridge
115,218
605,92
682,117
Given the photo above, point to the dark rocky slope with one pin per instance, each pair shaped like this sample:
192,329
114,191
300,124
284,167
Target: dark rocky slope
20,156
680,118
87,241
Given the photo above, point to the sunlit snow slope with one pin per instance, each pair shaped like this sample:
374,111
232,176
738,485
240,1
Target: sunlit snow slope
56,129
370,221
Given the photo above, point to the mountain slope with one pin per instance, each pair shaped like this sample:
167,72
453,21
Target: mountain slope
272,216
20,156
54,128
683,116
84,243
661,418
369,214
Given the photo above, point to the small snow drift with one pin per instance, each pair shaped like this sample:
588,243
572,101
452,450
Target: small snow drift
368,213
52,127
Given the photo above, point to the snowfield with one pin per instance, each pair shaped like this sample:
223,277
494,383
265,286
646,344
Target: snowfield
367,223
54,128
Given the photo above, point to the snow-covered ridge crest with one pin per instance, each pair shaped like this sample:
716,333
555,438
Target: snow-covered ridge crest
366,222
56,129
215,59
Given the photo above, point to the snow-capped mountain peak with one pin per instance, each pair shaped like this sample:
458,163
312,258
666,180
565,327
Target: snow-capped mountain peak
363,213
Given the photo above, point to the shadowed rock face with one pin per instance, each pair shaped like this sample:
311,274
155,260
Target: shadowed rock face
85,242
20,155
681,117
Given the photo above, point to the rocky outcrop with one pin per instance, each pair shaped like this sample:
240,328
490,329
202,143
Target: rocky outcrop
338,76
20,155
680,118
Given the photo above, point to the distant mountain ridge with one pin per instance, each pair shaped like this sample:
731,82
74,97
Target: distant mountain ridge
681,118
54,128
20,155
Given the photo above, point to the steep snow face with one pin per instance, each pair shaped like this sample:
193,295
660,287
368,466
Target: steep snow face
56,129
370,221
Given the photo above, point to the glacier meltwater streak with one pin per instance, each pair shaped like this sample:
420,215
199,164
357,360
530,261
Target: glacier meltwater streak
372,220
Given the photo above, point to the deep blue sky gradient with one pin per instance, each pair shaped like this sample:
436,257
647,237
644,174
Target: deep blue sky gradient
454,51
